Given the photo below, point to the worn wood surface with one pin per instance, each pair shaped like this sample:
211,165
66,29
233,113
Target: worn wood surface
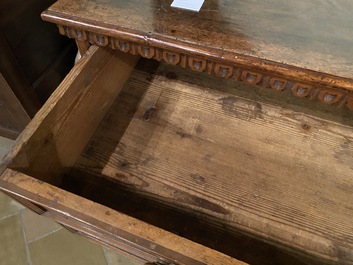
281,175
303,47
179,220
109,227
179,142
53,141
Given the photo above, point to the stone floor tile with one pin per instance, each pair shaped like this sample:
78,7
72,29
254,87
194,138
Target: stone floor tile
62,247
8,206
37,226
12,242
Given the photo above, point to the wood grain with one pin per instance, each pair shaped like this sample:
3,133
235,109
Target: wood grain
281,175
219,150
144,241
69,118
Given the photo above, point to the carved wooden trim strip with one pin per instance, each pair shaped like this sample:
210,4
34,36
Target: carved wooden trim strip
331,96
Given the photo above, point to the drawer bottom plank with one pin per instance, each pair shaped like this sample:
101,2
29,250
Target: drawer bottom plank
281,175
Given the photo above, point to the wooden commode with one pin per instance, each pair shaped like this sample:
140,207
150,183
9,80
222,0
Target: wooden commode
215,137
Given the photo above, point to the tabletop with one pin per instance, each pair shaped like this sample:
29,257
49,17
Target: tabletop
306,41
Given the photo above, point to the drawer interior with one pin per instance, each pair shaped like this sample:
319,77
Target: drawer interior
246,171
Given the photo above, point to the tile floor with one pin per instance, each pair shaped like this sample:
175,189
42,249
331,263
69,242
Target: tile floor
29,239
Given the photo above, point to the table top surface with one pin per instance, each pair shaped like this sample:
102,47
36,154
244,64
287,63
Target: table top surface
313,35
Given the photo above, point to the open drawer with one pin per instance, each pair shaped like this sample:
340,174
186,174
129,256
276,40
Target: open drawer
175,167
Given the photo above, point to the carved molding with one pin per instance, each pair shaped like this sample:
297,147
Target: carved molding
329,96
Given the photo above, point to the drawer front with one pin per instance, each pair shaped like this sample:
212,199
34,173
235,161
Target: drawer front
107,227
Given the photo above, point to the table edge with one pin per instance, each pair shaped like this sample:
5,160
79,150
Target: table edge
301,82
